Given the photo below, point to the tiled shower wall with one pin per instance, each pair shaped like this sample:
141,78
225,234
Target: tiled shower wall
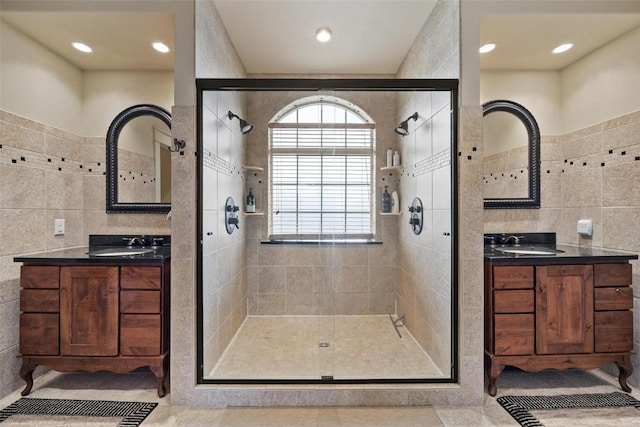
47,174
425,260
319,279
224,288
425,282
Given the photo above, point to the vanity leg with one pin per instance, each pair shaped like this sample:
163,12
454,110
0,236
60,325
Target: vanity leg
159,372
26,373
626,369
494,373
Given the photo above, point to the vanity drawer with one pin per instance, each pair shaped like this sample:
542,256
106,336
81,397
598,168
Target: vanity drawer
39,334
513,301
133,277
40,300
620,298
37,276
140,302
613,331
513,277
514,334
612,275
140,334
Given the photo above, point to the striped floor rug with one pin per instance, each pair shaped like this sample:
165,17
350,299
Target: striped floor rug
129,414
525,408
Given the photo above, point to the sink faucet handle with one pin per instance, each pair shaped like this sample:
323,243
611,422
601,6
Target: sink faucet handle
491,239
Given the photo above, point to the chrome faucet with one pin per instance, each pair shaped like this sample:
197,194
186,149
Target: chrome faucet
134,241
516,240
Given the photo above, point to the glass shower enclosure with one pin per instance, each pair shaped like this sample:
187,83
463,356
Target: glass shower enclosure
316,282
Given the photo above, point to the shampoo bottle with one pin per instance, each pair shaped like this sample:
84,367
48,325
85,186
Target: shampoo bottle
386,201
389,157
395,202
251,202
396,159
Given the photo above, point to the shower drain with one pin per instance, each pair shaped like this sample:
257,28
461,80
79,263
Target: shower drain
323,344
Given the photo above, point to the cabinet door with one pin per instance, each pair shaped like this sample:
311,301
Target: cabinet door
564,309
89,311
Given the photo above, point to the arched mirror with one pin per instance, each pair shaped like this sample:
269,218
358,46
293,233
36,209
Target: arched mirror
511,156
138,161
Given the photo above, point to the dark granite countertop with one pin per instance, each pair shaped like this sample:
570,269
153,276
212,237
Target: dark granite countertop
81,255
569,254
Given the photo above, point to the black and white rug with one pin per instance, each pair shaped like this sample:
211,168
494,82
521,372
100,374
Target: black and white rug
521,407
131,413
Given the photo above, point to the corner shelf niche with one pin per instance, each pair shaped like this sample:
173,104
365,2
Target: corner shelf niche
252,168
390,213
390,168
259,213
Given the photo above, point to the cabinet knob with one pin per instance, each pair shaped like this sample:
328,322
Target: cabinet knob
618,290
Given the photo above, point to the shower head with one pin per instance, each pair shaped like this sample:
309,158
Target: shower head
403,126
245,126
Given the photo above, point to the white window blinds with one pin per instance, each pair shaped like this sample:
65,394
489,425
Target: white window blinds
321,178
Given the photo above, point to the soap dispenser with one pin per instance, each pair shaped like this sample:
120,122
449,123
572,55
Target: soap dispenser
386,201
251,202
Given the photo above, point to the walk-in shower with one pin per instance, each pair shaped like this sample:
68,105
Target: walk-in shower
316,284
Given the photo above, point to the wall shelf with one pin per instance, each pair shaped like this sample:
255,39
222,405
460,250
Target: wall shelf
390,213
252,213
390,168
252,168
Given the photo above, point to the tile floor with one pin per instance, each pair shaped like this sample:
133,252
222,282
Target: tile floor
140,385
288,347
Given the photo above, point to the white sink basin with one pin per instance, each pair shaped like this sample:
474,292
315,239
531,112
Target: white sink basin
125,251
530,251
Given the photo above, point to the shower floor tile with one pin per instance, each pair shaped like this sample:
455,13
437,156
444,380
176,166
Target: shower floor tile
309,347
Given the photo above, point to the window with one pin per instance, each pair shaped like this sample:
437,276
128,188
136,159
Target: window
322,155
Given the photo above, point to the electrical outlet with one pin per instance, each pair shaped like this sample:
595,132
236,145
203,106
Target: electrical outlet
58,227
585,227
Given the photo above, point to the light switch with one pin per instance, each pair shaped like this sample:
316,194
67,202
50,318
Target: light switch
585,227
58,227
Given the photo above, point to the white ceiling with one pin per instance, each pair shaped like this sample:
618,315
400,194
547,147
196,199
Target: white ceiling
525,41
277,36
369,36
120,41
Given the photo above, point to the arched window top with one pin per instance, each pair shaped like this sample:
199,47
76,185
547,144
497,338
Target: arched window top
321,109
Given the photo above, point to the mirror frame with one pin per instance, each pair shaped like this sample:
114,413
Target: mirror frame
533,132
118,123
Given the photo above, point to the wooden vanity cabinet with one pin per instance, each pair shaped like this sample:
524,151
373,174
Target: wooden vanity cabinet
94,317
557,317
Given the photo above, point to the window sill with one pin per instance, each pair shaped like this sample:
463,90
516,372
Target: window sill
321,242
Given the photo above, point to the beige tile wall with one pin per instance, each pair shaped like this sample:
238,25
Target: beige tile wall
320,279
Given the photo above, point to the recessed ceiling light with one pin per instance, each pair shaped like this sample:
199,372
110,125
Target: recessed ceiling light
160,47
486,48
82,47
323,35
563,48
